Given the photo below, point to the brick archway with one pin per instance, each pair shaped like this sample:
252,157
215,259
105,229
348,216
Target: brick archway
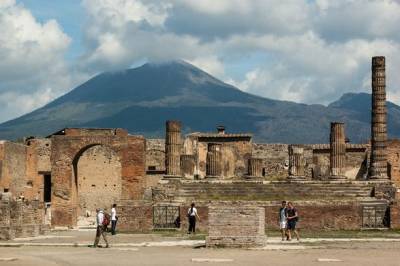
66,150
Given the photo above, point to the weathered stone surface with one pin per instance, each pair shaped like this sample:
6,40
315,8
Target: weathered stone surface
67,150
296,162
255,167
173,148
338,151
236,226
188,163
214,158
378,165
20,219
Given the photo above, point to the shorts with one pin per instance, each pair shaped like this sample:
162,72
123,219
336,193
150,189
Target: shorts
282,225
291,225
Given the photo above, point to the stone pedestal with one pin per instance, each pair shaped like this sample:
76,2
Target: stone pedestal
214,161
235,226
173,148
337,151
296,163
187,165
378,166
255,168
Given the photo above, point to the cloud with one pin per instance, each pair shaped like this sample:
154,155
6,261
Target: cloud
31,60
299,50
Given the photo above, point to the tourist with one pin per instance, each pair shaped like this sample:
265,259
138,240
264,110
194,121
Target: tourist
292,218
101,227
192,215
114,218
283,220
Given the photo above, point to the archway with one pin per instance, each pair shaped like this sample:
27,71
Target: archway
97,171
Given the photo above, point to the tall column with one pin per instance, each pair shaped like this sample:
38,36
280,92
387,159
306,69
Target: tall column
337,151
378,166
296,162
173,147
255,167
213,160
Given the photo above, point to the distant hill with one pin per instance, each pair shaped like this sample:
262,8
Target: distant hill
141,99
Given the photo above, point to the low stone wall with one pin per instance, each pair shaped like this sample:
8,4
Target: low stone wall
236,226
21,219
134,216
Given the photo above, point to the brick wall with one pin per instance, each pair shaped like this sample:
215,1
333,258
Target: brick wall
395,215
134,216
235,226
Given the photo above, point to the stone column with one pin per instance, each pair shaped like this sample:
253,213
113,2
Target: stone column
296,162
378,166
255,167
173,147
337,151
213,160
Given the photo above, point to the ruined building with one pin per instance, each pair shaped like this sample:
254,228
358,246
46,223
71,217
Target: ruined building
335,185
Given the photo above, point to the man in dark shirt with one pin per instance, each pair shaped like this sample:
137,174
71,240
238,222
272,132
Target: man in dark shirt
292,217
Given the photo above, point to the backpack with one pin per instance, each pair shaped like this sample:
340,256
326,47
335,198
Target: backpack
106,219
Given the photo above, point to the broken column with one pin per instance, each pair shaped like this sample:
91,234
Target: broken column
255,167
173,147
337,151
378,165
296,162
213,160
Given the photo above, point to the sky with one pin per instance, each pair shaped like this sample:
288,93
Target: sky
308,51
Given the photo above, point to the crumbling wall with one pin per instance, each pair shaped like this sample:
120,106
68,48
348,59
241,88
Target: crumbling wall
135,216
13,167
65,151
275,159
393,155
98,179
21,219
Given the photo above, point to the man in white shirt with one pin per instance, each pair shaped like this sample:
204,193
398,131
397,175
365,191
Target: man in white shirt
114,218
101,229
192,214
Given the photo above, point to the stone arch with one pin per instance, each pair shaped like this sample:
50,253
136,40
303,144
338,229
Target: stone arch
96,177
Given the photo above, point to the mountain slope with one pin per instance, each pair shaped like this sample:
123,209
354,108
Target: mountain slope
141,99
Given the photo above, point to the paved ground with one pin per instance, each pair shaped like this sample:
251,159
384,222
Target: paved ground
134,249
360,254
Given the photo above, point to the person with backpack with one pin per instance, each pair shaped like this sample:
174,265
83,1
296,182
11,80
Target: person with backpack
292,217
192,214
102,221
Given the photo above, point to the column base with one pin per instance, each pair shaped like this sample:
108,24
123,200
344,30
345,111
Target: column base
379,178
252,177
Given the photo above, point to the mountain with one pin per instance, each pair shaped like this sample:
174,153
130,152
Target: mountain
141,99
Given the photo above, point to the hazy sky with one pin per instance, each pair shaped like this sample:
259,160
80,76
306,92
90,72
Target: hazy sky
309,51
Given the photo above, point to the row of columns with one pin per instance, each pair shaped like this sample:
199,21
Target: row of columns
378,159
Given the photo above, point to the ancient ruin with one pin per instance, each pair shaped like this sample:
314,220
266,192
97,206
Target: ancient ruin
378,169
64,177
338,151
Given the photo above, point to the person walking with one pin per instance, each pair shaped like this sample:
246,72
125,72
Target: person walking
192,215
114,219
101,227
292,218
283,220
